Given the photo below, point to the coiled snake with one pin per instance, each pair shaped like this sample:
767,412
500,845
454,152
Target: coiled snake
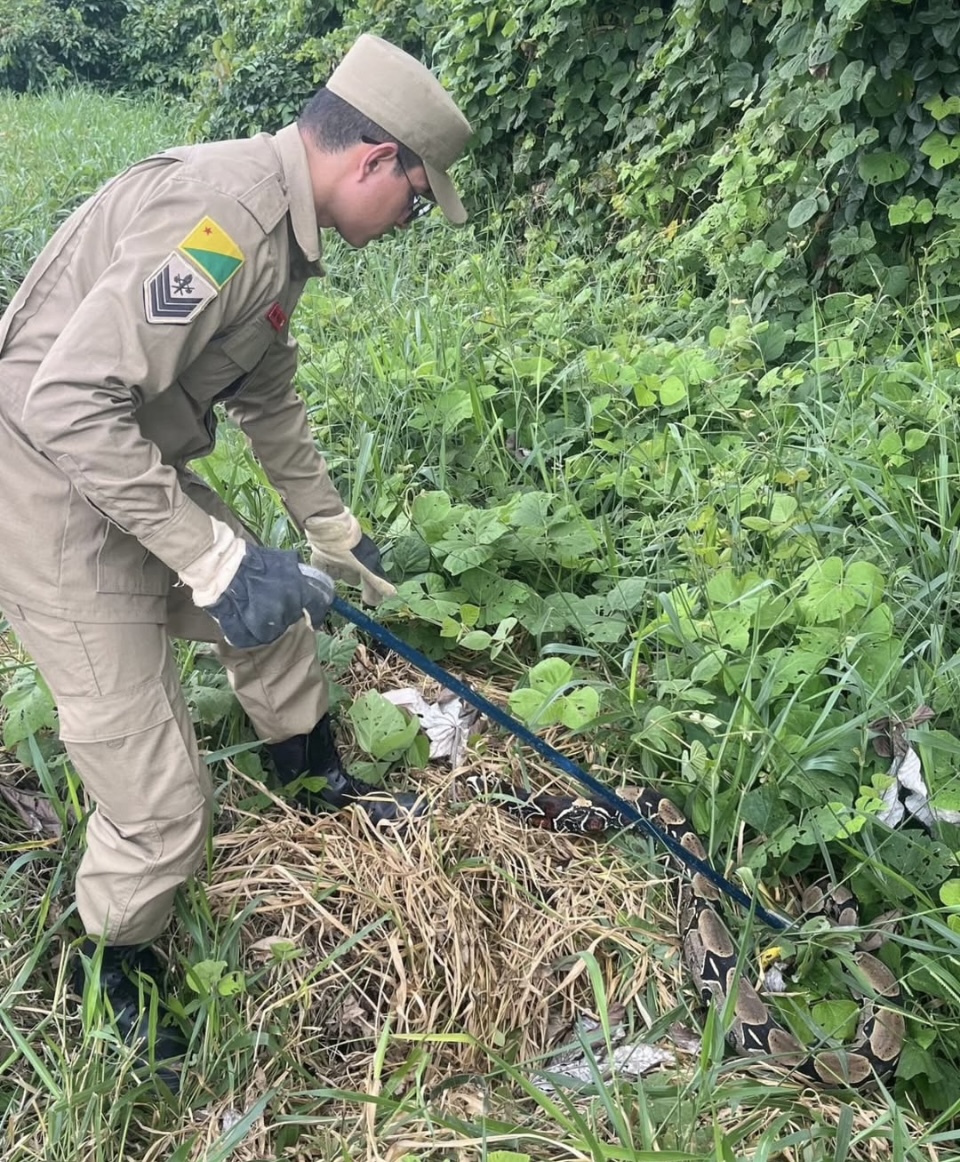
712,956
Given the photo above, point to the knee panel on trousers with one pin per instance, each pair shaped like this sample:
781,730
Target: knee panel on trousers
136,753
281,686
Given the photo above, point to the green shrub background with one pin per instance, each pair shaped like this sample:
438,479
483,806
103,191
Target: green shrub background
742,150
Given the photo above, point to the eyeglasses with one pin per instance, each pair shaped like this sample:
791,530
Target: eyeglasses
420,205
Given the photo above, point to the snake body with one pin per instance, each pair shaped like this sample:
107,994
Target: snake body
712,956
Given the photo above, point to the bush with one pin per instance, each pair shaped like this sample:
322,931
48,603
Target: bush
41,43
819,147
745,151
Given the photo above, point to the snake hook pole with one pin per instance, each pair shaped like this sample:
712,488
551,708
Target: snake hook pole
553,756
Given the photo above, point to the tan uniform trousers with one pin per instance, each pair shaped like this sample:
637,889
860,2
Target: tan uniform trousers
127,731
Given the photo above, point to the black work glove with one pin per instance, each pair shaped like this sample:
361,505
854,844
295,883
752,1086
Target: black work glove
270,591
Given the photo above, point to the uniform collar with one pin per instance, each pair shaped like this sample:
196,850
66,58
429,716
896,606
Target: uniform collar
296,172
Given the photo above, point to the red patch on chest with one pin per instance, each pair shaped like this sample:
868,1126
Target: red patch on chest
276,317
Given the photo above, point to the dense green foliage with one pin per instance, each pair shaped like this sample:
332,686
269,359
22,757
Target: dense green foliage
753,150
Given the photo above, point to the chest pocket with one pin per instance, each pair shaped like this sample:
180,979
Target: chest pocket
221,370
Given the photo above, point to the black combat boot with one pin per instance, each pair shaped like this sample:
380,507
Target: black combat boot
128,976
316,754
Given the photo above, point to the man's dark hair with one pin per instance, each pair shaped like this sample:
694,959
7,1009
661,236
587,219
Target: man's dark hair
335,125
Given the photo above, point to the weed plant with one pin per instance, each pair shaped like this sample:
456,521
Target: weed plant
713,553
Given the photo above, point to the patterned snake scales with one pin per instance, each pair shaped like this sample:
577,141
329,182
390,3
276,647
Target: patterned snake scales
712,956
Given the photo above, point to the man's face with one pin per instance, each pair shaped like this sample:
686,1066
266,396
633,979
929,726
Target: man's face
378,195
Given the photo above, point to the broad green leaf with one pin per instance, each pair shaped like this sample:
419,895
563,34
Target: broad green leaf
834,589
431,513
232,984
579,707
757,524
878,623
764,810
878,661
391,746
453,408
212,704
902,211
866,580
550,674
204,976
627,595
477,639
380,727
529,510
837,1018
528,705
940,109
469,543
709,666
498,598
948,199
672,390
464,556
889,443
783,508
941,150
697,758
29,708
643,395
410,554
728,627
877,168
802,212
417,754
950,894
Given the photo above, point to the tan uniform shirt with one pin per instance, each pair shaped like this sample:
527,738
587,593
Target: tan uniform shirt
168,290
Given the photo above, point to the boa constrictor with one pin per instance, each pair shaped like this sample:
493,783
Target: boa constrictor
712,956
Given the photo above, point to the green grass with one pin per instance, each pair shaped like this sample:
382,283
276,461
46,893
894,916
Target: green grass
55,152
748,549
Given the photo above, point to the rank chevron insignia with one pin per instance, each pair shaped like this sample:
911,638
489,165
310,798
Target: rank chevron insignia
176,292
213,250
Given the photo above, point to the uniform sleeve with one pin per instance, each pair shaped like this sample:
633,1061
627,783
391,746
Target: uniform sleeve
147,315
274,420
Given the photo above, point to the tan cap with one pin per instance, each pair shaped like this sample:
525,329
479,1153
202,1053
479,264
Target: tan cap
403,97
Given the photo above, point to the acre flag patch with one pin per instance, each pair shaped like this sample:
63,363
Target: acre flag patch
192,276
212,249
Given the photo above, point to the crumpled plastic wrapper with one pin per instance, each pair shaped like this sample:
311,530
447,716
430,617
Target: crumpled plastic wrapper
908,795
446,723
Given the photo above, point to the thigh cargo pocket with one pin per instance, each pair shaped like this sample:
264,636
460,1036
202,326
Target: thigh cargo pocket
136,754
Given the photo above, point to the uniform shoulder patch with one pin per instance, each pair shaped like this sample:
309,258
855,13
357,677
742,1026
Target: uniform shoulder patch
213,250
175,292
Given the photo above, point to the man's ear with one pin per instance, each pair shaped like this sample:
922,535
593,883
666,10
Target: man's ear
378,156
